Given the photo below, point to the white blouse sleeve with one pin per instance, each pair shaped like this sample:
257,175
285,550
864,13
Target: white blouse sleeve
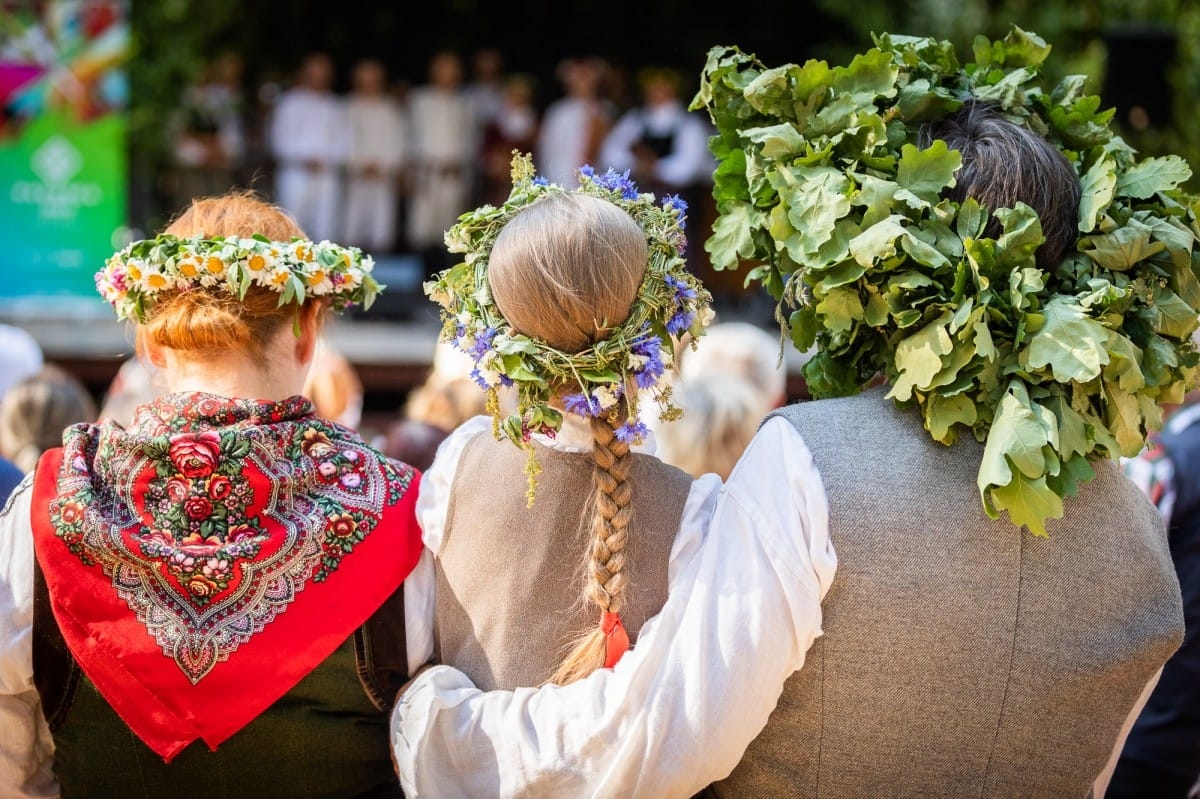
678,710
26,748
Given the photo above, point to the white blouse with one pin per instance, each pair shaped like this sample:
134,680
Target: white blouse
678,710
26,748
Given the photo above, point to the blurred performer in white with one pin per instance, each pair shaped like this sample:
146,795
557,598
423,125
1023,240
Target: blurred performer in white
376,155
308,142
575,124
443,157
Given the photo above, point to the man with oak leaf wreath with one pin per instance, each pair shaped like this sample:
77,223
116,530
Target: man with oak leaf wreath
954,653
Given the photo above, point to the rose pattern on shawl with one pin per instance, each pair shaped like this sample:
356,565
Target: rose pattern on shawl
210,514
344,468
194,496
194,454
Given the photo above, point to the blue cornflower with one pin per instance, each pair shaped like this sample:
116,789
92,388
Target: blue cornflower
631,432
581,404
479,379
674,201
680,322
683,291
483,344
618,181
650,348
588,171
541,181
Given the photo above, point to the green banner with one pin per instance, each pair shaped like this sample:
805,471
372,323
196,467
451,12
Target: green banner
63,176
65,205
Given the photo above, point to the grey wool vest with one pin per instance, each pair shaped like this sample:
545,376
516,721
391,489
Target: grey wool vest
510,578
961,657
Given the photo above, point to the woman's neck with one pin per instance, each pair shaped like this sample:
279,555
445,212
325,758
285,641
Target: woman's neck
228,377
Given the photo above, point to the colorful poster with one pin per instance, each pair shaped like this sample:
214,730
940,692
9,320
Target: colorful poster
63,94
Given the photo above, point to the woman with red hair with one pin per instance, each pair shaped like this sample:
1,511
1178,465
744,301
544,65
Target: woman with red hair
217,586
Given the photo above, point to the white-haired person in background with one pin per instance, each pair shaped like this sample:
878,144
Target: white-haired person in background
743,349
721,413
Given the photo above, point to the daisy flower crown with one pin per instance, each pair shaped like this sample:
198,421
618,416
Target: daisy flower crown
637,353
134,277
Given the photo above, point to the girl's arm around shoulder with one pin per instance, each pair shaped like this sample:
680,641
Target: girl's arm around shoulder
679,709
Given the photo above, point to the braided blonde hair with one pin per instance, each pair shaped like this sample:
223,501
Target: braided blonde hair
566,270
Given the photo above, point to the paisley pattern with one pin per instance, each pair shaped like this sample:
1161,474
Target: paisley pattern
209,515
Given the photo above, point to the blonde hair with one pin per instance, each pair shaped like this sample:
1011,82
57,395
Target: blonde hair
34,413
211,323
566,270
721,413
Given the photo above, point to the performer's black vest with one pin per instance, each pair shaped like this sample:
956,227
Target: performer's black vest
327,738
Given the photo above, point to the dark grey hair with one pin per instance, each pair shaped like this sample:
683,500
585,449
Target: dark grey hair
1004,162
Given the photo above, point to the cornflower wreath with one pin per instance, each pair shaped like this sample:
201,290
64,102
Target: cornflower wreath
822,185
670,303
133,277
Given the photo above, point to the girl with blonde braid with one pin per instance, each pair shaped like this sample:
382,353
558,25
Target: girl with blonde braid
573,300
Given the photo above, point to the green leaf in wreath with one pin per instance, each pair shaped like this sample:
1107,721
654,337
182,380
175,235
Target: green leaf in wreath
732,237
876,195
943,413
870,75
840,309
877,242
1020,429
1145,179
827,377
1099,184
515,368
919,357
926,172
1123,248
1173,316
778,141
802,325
1029,503
1019,48
1069,342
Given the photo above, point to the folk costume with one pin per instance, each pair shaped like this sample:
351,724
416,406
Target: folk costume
197,603
377,148
1003,594
222,571
509,644
508,524
442,160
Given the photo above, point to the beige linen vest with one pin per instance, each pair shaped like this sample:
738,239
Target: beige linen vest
510,578
961,657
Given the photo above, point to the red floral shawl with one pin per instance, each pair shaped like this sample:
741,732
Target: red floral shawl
205,560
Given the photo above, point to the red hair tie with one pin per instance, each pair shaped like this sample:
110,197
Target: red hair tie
616,639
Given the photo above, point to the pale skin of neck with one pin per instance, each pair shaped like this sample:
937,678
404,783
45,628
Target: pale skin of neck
277,373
